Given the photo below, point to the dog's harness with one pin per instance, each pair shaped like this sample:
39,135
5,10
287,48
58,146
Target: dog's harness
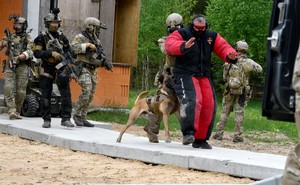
154,102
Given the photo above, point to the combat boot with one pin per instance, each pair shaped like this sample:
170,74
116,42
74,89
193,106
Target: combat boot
291,174
152,136
47,124
78,120
86,123
67,123
18,115
218,136
238,139
13,115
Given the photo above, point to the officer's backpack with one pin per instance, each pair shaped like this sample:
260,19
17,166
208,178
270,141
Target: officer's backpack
235,76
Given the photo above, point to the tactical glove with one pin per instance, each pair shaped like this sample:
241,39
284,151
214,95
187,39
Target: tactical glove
57,56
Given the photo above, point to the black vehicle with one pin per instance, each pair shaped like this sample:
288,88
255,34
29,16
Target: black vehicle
32,103
279,96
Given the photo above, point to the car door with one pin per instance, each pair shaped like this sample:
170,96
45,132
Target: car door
283,42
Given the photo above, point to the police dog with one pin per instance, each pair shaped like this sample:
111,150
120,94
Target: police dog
154,108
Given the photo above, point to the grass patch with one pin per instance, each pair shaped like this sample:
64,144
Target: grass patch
256,127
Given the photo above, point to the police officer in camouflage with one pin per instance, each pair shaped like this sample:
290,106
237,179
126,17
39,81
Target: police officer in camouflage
16,69
173,22
84,49
237,91
49,47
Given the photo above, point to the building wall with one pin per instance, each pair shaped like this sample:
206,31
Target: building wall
7,9
120,40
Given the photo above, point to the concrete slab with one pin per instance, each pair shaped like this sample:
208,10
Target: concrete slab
103,141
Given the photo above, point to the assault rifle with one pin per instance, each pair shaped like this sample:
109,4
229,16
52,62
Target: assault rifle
67,60
13,62
99,54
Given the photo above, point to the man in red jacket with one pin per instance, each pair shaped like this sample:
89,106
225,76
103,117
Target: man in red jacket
192,47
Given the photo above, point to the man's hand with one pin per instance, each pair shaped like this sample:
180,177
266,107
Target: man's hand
232,56
57,56
91,46
189,43
3,44
21,57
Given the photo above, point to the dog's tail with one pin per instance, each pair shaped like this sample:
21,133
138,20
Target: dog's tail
140,96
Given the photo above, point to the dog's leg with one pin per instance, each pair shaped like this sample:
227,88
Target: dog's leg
166,125
133,116
166,107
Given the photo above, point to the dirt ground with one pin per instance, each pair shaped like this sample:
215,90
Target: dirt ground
30,162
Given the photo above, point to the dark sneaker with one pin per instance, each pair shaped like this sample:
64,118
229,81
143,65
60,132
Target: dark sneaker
218,136
86,123
201,144
238,139
188,139
77,120
67,123
46,124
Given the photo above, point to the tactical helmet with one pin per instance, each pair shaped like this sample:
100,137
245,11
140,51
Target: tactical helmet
23,22
52,17
174,19
173,22
241,46
91,24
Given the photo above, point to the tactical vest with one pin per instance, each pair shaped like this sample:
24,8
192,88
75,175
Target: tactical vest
82,56
50,45
19,44
197,61
87,57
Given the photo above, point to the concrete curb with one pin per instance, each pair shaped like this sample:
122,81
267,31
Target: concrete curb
103,141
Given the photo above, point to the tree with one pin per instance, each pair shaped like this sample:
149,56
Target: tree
152,27
241,20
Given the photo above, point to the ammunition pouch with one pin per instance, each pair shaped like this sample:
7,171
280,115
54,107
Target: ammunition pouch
90,67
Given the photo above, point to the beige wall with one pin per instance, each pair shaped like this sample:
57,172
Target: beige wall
74,12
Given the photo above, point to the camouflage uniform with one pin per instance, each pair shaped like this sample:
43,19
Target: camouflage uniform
291,173
169,60
236,94
16,76
87,66
173,22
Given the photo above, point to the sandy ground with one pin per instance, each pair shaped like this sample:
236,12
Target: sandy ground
30,162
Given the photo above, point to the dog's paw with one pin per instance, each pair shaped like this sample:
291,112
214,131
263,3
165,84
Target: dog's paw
168,140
